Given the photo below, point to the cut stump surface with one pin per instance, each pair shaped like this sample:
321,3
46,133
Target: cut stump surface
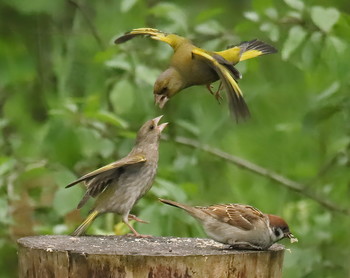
155,257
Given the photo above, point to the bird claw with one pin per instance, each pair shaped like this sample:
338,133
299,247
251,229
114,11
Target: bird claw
245,246
139,235
133,217
217,94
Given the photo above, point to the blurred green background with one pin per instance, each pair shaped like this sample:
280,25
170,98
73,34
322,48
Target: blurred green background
71,101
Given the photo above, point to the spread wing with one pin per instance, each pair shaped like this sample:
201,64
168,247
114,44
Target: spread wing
240,216
97,181
227,73
246,50
155,34
128,160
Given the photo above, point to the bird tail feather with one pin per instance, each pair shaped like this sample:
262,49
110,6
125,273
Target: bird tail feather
194,211
86,223
178,205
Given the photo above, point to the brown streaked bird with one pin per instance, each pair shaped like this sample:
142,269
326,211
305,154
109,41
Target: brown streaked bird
191,65
119,185
241,226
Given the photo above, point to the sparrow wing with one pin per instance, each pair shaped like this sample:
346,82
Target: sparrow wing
227,73
98,180
171,39
128,160
240,216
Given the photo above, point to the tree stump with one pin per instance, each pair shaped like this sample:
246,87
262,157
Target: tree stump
130,257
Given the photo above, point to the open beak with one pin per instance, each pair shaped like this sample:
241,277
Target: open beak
291,237
160,100
161,126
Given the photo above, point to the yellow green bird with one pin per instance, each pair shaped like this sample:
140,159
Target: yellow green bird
191,65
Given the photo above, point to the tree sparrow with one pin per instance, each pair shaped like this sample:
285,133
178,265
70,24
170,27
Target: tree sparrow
241,226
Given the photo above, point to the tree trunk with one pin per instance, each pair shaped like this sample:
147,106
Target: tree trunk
130,257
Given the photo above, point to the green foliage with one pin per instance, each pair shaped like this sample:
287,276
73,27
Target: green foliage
71,101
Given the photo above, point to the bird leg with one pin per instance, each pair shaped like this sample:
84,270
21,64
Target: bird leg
135,233
133,217
217,93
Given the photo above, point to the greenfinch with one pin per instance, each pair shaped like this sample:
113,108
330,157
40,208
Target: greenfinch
191,65
119,185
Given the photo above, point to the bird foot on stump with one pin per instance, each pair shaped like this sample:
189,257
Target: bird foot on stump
135,233
245,246
134,217
139,235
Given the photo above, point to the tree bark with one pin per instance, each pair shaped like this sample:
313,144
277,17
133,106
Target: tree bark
130,257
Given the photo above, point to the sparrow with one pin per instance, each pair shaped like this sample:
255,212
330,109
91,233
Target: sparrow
241,226
191,65
120,184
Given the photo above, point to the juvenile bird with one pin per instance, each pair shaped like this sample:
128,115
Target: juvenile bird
119,185
191,65
241,226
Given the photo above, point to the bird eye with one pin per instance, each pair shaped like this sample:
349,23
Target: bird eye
277,232
151,127
164,90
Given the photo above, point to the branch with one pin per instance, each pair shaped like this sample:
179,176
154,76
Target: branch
89,23
245,164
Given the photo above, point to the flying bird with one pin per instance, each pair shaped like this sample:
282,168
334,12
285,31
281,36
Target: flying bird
191,65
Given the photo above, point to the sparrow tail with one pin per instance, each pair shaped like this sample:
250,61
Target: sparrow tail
83,226
178,205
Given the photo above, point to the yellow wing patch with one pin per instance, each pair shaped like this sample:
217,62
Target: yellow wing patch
237,105
251,54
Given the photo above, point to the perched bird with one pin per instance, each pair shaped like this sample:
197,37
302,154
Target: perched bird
241,226
191,65
120,184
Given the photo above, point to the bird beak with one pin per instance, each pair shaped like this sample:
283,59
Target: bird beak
161,126
160,100
291,237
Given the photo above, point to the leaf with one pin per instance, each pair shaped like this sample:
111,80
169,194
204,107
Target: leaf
329,92
311,52
36,6
271,29
295,4
147,74
252,16
65,200
272,13
126,5
296,36
122,96
171,12
109,118
324,18
6,165
119,62
321,114
208,14
211,28
338,44
165,188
